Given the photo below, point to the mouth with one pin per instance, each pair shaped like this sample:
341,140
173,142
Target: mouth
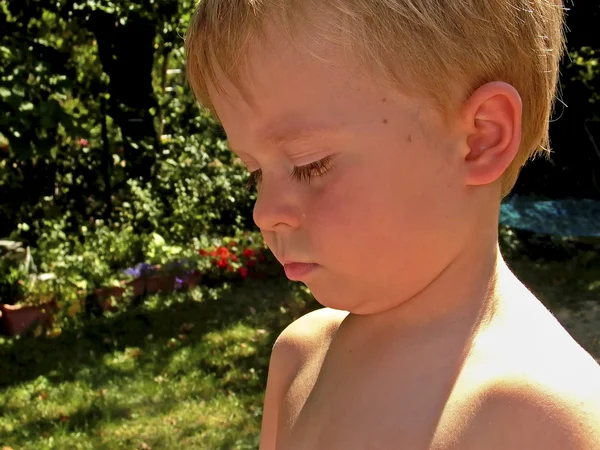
298,271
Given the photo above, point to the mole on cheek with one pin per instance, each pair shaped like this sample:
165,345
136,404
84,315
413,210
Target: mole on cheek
385,121
409,138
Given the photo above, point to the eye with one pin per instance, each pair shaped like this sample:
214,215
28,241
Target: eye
303,174
318,168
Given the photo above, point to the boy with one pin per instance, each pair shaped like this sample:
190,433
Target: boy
382,135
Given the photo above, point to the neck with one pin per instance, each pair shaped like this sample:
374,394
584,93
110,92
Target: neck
466,294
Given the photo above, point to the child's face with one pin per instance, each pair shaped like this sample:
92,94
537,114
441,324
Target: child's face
388,215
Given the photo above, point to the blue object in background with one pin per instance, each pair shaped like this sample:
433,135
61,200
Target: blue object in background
567,218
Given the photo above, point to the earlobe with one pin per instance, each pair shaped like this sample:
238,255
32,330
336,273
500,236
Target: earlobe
494,115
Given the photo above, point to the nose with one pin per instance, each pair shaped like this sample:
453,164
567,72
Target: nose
277,206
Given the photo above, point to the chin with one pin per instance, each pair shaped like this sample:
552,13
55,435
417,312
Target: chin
340,299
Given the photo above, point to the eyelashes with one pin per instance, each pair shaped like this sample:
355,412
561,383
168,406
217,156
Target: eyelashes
302,174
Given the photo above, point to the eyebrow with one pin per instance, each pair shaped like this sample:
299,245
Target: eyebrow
278,135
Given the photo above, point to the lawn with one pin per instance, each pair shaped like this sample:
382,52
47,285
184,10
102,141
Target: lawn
182,371
188,370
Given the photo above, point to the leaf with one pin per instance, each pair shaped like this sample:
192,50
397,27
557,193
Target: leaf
4,92
158,239
26,106
74,309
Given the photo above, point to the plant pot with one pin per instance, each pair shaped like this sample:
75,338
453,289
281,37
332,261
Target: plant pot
160,283
191,280
111,291
105,295
138,286
153,284
16,319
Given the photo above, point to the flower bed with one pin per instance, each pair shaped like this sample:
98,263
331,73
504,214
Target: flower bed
229,261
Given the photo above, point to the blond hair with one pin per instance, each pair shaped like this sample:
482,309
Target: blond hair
469,42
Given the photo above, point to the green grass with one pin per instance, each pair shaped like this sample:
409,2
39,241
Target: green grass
189,370
184,371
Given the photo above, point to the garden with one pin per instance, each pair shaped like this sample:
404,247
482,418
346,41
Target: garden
138,301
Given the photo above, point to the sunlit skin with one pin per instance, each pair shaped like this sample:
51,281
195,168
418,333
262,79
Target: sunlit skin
396,206
399,212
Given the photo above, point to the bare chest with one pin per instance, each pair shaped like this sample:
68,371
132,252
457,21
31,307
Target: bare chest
364,408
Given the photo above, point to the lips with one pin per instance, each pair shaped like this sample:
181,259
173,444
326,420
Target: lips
286,261
299,271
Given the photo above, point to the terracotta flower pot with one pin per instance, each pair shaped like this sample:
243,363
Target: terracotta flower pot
139,286
112,291
160,283
105,296
17,319
153,284
191,280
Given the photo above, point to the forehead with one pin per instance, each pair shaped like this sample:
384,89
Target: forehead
286,89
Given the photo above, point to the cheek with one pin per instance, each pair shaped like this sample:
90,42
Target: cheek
356,213
391,215
392,188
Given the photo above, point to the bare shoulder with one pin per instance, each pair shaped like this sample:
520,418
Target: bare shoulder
525,413
303,338
300,343
308,333
541,392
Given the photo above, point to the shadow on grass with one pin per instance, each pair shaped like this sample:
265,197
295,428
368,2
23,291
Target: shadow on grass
83,420
561,271
87,419
60,358
558,284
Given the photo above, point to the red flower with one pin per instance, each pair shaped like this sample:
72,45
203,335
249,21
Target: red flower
84,142
243,272
248,252
261,257
223,251
222,263
250,264
203,252
233,244
213,253
230,268
234,258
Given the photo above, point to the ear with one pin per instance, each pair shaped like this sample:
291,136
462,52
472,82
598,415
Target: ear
493,116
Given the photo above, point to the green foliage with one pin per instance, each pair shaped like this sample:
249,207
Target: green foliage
90,214
586,67
50,83
58,124
36,78
12,281
198,190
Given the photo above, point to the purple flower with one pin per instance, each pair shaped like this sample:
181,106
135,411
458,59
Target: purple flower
142,269
178,283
